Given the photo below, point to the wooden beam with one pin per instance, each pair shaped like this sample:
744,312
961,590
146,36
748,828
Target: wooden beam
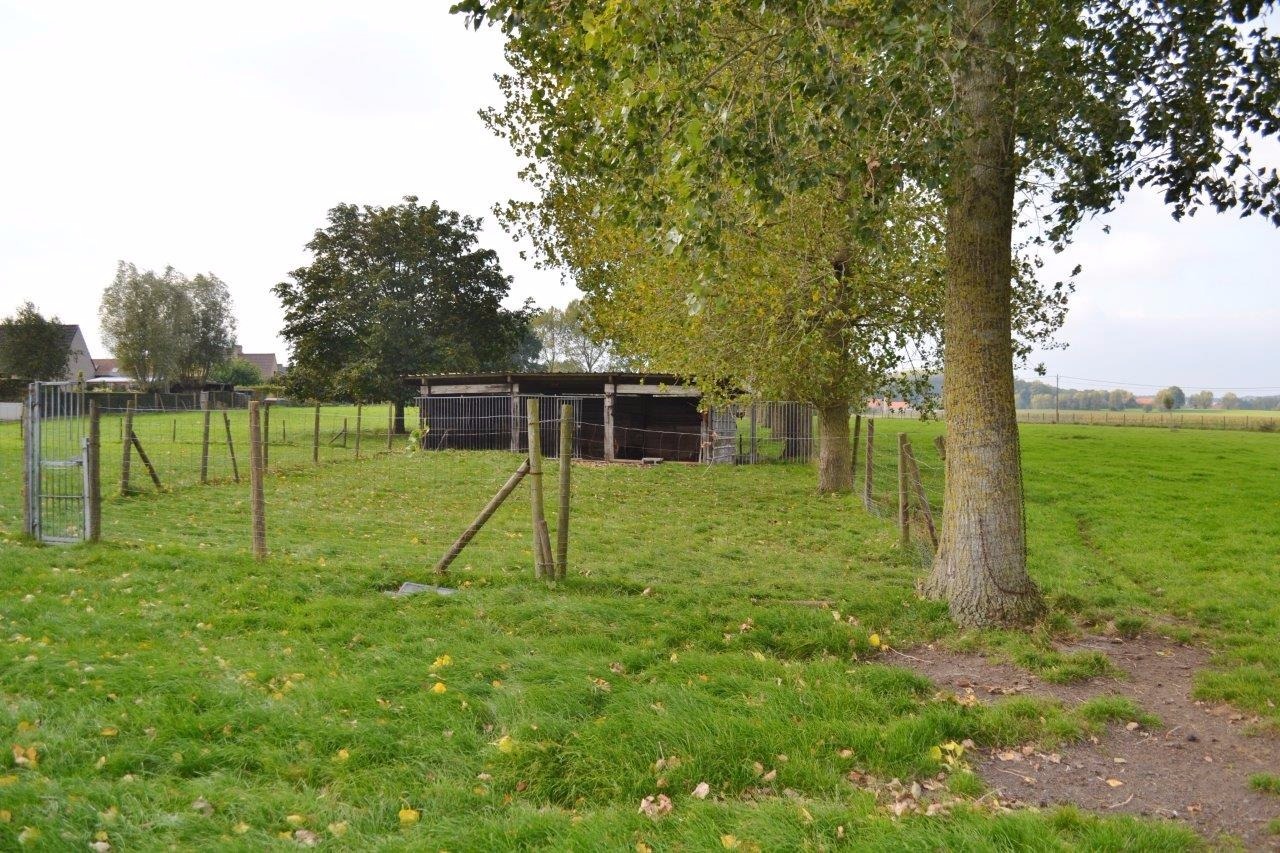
485,388
636,389
608,421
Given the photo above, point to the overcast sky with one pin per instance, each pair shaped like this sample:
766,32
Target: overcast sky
214,137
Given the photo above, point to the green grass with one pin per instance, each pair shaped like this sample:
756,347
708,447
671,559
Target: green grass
165,667
1266,782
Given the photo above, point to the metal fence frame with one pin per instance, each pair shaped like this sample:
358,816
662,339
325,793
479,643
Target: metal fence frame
55,463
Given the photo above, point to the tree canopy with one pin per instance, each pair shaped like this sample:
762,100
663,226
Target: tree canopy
164,327
569,340
391,292
1042,112
33,347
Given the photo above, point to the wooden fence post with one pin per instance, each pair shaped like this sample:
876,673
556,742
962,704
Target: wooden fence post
940,442
490,508
922,499
543,564
359,412
566,466
266,435
231,448
174,438
93,471
126,431
315,439
146,460
391,423
867,484
256,503
204,441
904,498
344,433
857,432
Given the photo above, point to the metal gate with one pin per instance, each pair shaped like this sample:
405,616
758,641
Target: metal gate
56,470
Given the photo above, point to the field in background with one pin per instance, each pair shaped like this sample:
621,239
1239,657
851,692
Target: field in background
166,670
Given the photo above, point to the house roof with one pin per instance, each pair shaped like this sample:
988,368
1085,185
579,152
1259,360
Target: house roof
106,366
69,331
264,361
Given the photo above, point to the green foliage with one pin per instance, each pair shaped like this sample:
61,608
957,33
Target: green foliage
1266,782
393,291
568,340
32,347
1171,398
236,371
164,327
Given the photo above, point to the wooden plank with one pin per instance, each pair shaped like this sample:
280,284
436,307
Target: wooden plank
452,390
634,389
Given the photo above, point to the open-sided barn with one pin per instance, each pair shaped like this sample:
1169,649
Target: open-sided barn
617,415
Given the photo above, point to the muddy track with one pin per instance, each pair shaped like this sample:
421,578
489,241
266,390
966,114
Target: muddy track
1193,768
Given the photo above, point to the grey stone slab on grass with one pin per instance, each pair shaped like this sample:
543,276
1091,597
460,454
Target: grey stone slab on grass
411,588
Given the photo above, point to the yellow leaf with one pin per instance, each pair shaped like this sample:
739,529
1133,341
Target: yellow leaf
729,842
5,781
443,660
935,752
338,828
240,828
874,640
757,655
109,731
343,754
295,820
505,745
438,687
641,847
1115,783
6,816
409,817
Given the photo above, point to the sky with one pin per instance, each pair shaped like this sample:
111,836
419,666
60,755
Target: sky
215,137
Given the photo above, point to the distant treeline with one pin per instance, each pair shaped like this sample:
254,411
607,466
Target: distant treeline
1035,394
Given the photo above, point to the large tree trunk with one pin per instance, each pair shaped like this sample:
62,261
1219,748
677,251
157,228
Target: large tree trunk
835,461
398,427
981,565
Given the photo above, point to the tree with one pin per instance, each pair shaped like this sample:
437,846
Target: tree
391,292
1120,399
567,343
1230,400
1034,109
236,371
147,323
1177,399
1202,400
32,347
213,327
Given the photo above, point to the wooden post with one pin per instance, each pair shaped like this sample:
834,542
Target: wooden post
566,466
256,503
391,423
266,435
344,433
126,453
29,458
940,442
922,500
485,514
93,471
515,417
174,439
315,439
204,441
857,432
609,395
142,454
359,411
231,448
867,484
904,497
751,451
543,565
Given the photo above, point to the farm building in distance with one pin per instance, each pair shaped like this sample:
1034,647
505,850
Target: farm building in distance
617,415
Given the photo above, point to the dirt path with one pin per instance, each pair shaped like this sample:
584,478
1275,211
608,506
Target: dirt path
1194,768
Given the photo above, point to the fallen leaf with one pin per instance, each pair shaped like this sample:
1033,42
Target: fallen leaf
109,731
408,817
203,806
1131,726
1009,755
241,828
443,660
728,842
295,820
338,828
505,745
702,790
1115,783
438,687
655,807
874,640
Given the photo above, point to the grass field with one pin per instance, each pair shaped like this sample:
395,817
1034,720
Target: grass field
177,693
